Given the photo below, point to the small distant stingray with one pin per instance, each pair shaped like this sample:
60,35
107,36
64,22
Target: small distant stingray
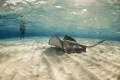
69,45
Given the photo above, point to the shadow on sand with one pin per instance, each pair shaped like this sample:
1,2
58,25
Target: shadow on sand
54,51
51,51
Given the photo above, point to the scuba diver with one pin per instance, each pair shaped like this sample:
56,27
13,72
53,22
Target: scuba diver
22,29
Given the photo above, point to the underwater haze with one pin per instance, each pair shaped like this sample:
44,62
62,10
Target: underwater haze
96,19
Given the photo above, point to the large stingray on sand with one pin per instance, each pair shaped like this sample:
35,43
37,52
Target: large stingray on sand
69,45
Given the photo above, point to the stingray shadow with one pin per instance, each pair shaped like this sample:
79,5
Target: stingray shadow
51,51
54,51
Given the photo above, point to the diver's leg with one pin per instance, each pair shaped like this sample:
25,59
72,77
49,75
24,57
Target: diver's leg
21,35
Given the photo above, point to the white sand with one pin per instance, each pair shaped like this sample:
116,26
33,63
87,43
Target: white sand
35,60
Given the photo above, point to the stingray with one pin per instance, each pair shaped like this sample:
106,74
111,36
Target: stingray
69,45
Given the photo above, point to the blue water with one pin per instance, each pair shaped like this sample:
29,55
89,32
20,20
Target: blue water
95,19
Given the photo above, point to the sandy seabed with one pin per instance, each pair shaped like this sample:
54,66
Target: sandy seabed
34,59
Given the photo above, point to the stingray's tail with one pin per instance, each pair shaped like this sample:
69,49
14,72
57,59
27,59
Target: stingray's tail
96,44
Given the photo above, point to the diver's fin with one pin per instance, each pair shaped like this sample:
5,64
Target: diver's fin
96,43
55,41
69,38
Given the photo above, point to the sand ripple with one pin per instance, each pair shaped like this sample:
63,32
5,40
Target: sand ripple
35,60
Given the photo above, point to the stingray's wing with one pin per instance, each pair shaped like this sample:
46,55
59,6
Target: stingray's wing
69,38
55,41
